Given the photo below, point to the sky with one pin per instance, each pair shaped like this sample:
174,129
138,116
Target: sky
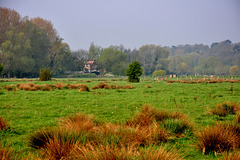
134,23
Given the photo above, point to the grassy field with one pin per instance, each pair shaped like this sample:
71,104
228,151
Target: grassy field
27,111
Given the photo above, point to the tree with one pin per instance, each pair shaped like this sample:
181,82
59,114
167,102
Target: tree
134,71
234,70
94,52
112,60
1,68
47,26
150,56
45,74
159,73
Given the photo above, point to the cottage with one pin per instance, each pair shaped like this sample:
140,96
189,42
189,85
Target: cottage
91,67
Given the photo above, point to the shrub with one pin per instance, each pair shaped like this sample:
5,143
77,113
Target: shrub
45,74
159,73
1,68
134,71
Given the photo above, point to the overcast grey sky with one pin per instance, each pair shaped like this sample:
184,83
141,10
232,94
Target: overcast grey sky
134,23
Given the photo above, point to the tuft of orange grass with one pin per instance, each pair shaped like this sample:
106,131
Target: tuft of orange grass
112,86
26,87
109,152
46,88
104,152
231,156
5,153
78,122
58,147
217,138
60,85
148,86
3,124
238,117
225,108
31,84
160,153
83,87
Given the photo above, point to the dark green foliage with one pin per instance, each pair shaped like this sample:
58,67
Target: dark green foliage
177,126
45,74
134,71
1,68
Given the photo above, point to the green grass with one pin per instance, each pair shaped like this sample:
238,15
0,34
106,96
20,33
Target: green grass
28,111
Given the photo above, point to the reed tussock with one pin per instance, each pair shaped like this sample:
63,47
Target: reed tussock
217,138
110,152
78,122
225,108
3,124
5,153
231,156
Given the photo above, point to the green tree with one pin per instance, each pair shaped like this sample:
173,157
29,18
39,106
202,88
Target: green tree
134,71
159,73
45,74
1,68
112,60
234,70
150,56
94,52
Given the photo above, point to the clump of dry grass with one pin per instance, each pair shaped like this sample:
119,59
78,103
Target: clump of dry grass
231,156
5,153
148,86
78,122
83,87
225,108
46,88
3,124
58,147
31,84
39,138
60,85
217,138
9,88
107,152
160,153
112,86
238,117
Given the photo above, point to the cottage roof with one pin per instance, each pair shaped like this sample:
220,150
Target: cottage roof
89,62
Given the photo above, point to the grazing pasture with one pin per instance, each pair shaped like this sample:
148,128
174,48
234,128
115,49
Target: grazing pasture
111,118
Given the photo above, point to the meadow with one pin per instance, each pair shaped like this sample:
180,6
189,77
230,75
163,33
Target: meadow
104,117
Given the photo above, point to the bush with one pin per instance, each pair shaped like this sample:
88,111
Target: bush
134,71
1,68
159,73
45,74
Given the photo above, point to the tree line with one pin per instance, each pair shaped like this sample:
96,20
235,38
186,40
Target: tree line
27,45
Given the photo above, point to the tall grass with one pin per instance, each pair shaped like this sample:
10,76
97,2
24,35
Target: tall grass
5,153
3,124
225,108
217,138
